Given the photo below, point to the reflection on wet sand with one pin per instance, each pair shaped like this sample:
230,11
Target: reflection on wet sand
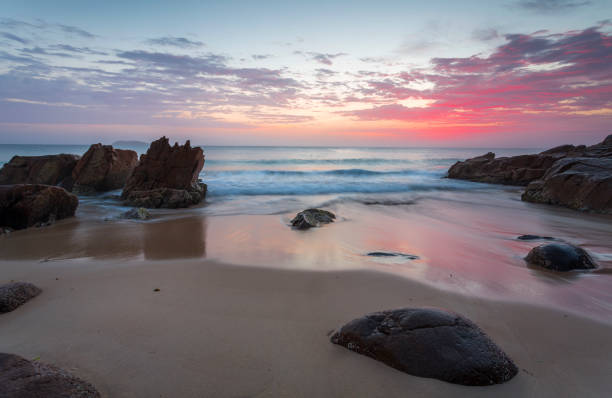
75,238
180,238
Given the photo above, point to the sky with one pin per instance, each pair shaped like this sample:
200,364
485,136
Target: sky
509,73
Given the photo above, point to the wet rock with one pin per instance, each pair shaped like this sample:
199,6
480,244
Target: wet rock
137,214
523,169
103,168
15,294
578,183
516,170
312,218
534,237
393,254
166,177
560,257
48,169
25,205
20,378
428,343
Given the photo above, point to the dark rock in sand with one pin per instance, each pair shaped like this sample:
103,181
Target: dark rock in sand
534,237
137,214
312,218
428,343
577,183
20,378
15,294
24,205
393,254
48,169
166,177
103,168
560,257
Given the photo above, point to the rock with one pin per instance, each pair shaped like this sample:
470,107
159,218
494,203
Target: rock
578,183
137,214
516,170
166,177
534,237
103,168
428,343
560,257
20,378
26,205
312,218
15,294
523,169
393,254
48,169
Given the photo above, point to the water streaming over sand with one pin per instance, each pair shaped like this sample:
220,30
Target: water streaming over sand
386,199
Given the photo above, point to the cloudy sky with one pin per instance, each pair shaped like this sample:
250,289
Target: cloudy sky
515,73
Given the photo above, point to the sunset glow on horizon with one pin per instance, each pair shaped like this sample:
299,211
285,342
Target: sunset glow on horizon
512,74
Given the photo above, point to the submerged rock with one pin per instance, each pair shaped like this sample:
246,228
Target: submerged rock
428,343
103,168
166,177
47,169
15,294
25,205
393,254
560,257
534,237
312,218
577,183
20,378
137,214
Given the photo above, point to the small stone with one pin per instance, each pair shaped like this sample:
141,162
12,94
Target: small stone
312,218
15,294
137,214
534,237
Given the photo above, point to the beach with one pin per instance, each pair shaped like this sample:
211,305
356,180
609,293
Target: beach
225,299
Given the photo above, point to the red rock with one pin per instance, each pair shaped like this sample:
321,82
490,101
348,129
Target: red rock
103,168
166,177
26,205
48,169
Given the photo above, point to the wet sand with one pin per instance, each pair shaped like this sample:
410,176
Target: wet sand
228,331
246,305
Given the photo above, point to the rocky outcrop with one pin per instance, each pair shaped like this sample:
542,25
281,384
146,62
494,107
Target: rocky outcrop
578,177
166,177
15,294
103,168
560,257
48,169
20,378
516,170
25,205
312,218
579,183
428,343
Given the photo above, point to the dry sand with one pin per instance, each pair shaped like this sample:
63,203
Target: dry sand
216,330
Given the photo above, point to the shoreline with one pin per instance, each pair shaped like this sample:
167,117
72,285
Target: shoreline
226,330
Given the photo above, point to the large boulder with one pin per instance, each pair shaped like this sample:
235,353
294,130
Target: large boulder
312,218
47,169
103,168
26,205
15,294
579,183
428,343
166,177
560,257
21,378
